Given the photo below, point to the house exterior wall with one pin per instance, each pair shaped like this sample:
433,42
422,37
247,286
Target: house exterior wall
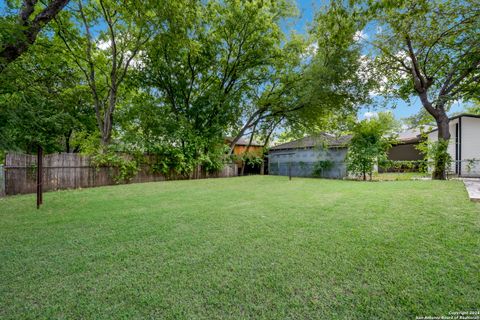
469,145
301,162
238,149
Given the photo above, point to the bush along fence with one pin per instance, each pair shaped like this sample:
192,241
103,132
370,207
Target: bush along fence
403,166
72,170
464,168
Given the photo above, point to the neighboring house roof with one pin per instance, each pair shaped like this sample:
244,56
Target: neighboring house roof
244,142
409,136
315,140
456,117
464,115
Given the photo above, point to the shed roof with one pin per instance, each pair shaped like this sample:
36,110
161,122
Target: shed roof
332,141
409,136
315,140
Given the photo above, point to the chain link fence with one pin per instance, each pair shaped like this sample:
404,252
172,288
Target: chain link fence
465,168
459,168
468,168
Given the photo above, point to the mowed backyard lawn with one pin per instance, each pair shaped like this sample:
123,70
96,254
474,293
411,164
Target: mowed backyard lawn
256,247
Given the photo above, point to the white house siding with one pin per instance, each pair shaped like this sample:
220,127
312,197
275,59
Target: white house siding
452,143
470,145
469,139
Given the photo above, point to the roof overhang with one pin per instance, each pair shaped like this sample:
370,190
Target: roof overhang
456,117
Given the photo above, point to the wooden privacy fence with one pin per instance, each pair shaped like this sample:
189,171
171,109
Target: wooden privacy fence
71,171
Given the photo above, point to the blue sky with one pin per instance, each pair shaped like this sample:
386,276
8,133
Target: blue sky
400,108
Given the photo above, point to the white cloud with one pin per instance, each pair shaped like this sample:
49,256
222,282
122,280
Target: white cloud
313,48
360,35
367,71
403,55
458,101
310,50
370,115
137,62
364,71
370,70
103,45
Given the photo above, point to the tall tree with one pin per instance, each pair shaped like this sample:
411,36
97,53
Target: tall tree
276,95
18,34
104,38
431,49
205,59
313,87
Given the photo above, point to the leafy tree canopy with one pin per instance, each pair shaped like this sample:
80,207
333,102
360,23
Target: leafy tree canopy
430,49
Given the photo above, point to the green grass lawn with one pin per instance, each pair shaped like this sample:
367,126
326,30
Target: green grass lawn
254,247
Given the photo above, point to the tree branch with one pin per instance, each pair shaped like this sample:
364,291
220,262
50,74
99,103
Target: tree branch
29,29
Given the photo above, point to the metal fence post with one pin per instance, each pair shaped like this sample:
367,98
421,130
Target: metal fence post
39,176
2,180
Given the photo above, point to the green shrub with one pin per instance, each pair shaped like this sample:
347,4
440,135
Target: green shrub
402,165
369,144
321,166
436,156
126,168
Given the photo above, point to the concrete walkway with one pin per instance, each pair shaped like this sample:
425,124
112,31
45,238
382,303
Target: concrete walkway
473,188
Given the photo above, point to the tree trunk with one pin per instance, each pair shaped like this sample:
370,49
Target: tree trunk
107,130
265,144
250,122
67,141
440,115
108,116
242,172
244,162
105,140
105,136
440,163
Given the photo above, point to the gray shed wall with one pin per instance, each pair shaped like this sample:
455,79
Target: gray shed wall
405,152
302,162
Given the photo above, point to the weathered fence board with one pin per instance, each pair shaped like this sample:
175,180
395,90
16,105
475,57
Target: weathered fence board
71,171
2,181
